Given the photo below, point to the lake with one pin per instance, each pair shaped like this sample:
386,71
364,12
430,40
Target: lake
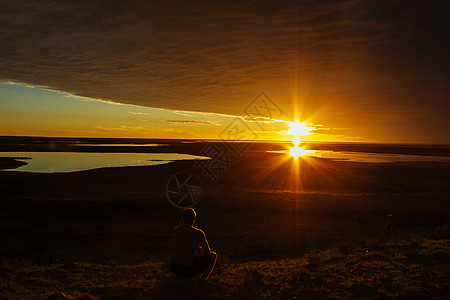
51,162
49,155
366,157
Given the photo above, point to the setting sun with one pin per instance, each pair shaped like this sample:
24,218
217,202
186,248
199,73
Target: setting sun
298,129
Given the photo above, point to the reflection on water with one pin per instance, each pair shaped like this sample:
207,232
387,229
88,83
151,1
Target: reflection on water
49,162
296,151
362,156
122,145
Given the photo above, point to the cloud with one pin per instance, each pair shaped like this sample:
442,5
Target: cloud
350,57
139,113
191,122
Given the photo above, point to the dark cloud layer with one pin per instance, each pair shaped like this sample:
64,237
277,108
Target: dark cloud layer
358,62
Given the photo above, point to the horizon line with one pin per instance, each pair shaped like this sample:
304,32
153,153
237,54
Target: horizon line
225,141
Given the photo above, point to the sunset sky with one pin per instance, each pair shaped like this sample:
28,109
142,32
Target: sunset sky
364,71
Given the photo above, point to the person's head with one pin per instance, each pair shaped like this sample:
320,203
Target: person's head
188,216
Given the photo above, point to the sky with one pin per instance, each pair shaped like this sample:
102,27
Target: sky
34,111
367,71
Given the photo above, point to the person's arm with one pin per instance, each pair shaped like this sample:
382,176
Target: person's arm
204,243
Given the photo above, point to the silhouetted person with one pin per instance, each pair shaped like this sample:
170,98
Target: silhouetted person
192,255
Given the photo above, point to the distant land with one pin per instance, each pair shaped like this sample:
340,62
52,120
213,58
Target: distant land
191,146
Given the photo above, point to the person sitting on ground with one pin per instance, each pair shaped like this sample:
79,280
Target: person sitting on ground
192,255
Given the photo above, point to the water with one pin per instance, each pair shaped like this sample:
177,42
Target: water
366,156
121,145
51,162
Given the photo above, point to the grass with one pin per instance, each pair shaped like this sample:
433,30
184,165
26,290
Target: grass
414,269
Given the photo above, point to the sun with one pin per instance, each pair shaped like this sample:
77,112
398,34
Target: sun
298,129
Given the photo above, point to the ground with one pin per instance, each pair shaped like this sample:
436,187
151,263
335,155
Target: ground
415,269
315,231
